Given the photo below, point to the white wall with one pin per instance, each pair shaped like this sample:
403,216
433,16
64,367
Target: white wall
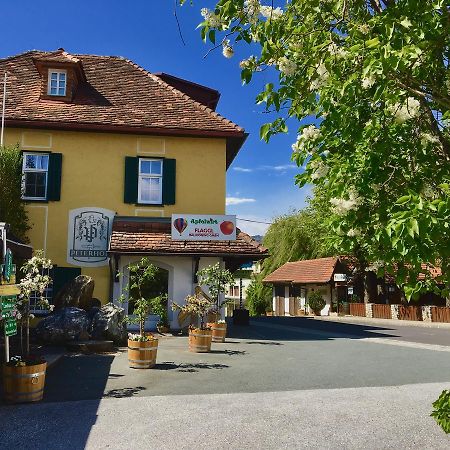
181,272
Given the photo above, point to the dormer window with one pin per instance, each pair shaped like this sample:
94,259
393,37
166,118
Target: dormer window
57,82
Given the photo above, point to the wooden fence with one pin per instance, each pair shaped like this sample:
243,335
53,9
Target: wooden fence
440,314
409,312
381,311
358,309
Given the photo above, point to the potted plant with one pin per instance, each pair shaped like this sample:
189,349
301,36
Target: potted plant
199,337
316,302
217,279
24,375
142,346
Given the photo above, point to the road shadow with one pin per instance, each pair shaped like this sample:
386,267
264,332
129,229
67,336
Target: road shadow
264,343
196,367
228,352
124,392
307,329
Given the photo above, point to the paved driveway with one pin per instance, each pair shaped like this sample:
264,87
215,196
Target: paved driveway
272,385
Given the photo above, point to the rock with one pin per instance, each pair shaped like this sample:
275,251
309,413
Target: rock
66,324
77,292
109,324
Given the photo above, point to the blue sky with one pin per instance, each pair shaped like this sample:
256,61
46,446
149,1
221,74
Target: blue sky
260,182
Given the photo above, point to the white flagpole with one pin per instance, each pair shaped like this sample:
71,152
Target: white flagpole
3,110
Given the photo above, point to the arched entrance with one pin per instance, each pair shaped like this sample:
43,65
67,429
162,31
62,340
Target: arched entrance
159,287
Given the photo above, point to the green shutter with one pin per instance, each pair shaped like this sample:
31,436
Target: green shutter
130,194
54,177
169,176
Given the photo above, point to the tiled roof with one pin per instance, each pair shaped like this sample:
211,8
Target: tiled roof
116,93
308,271
130,235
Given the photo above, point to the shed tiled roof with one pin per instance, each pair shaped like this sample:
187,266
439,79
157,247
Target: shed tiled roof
153,237
303,272
117,94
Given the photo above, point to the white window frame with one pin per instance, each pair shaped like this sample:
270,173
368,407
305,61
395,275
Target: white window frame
145,175
58,80
28,170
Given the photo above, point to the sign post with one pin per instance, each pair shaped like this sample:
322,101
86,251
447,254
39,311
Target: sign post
8,292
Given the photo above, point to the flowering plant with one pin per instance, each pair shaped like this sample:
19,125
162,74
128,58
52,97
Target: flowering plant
198,305
33,282
20,361
140,338
367,91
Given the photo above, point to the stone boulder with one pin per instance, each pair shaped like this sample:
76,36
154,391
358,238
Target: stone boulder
108,323
65,324
77,292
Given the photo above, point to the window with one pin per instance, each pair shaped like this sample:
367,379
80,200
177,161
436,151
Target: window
57,80
150,181
35,176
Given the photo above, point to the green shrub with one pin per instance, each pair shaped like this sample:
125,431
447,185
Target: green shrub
441,411
316,301
259,298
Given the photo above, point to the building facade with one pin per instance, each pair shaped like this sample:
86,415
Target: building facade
102,138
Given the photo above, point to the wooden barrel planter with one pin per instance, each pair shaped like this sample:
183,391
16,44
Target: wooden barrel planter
219,331
142,355
200,340
24,383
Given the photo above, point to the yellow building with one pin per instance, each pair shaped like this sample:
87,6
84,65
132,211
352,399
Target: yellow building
106,144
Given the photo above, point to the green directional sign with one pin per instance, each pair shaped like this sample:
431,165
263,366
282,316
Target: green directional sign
8,302
8,265
10,327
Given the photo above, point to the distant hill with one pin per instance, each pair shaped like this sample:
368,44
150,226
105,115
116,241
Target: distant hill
258,238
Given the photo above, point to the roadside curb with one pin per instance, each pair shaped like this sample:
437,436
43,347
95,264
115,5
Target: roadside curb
386,322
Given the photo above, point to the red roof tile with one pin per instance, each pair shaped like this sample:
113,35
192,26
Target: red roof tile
308,271
117,95
153,237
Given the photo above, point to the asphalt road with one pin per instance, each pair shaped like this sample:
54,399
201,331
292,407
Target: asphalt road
276,384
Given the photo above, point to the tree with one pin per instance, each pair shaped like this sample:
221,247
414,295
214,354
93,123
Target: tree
12,209
217,279
142,275
369,82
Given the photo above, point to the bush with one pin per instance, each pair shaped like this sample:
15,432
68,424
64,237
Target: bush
441,412
259,298
316,301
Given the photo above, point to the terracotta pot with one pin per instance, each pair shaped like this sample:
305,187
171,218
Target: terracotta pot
219,331
200,340
24,383
142,355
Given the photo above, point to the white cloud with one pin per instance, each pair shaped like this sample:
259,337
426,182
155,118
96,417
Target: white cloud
278,168
239,200
242,169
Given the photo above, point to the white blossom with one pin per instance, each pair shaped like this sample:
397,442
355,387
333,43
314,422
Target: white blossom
323,76
364,28
287,66
248,63
251,9
271,13
428,138
309,133
320,169
375,266
402,113
209,16
367,82
227,49
353,232
342,206
337,51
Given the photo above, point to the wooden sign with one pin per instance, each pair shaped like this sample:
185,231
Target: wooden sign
9,289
